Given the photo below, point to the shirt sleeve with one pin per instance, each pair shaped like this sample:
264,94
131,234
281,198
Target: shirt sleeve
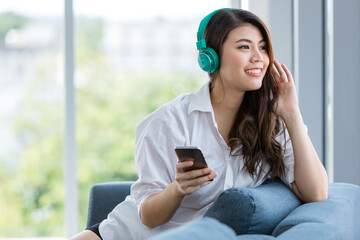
155,157
288,157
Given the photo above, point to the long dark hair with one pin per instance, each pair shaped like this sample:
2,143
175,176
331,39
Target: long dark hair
255,126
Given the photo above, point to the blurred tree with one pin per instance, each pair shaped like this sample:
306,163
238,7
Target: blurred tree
8,21
109,105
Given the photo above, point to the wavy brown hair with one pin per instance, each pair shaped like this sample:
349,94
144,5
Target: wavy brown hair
255,126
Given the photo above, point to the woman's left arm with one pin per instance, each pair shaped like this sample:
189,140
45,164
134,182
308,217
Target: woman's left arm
311,182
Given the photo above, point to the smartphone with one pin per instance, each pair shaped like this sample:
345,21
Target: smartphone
185,152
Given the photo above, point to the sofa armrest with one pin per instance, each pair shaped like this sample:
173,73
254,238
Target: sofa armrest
103,198
335,218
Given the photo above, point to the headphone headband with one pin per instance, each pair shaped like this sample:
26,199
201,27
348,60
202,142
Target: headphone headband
201,43
208,59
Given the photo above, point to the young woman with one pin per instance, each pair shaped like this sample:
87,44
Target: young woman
246,121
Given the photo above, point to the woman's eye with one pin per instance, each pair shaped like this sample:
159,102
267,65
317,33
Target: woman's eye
243,47
263,47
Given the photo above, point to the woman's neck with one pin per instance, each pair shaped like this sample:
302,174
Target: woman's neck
225,101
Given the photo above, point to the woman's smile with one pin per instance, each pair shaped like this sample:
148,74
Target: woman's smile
254,72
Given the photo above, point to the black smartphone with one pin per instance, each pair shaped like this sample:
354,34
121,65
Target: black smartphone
186,152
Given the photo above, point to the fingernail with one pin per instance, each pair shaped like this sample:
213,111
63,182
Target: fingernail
213,174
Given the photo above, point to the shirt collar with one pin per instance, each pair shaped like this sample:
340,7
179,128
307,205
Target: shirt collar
200,100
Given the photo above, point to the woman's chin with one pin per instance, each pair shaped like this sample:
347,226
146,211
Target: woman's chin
255,87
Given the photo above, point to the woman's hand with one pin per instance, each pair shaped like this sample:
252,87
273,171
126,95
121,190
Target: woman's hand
191,181
287,103
158,208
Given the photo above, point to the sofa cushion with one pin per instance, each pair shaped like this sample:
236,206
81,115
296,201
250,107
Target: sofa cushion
336,218
204,228
254,210
313,231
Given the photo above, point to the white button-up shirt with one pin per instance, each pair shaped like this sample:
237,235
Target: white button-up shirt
188,120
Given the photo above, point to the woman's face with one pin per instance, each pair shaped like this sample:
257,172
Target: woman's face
244,59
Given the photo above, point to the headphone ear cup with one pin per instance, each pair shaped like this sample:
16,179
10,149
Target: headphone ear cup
208,60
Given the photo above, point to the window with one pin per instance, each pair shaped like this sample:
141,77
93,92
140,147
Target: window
131,57
31,113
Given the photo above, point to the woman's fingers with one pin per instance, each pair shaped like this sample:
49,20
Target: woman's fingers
188,175
192,185
191,181
181,165
275,74
275,71
197,173
282,75
288,73
201,179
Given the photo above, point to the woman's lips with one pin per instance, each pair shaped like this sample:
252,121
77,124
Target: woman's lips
255,72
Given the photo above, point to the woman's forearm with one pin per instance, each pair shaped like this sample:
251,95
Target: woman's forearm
158,208
311,183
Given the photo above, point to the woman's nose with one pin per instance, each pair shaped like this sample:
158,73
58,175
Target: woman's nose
256,56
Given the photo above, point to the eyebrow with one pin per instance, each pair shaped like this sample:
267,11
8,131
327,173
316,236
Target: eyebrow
247,40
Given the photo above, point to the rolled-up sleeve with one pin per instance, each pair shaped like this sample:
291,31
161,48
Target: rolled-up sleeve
155,158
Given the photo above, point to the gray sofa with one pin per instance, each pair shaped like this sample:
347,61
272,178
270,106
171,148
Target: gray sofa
270,211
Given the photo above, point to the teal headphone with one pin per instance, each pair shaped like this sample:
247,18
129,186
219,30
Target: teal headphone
208,59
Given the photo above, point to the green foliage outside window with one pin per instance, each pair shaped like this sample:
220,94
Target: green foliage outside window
8,21
109,105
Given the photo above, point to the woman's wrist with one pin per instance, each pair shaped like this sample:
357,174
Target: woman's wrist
293,118
174,187
152,214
